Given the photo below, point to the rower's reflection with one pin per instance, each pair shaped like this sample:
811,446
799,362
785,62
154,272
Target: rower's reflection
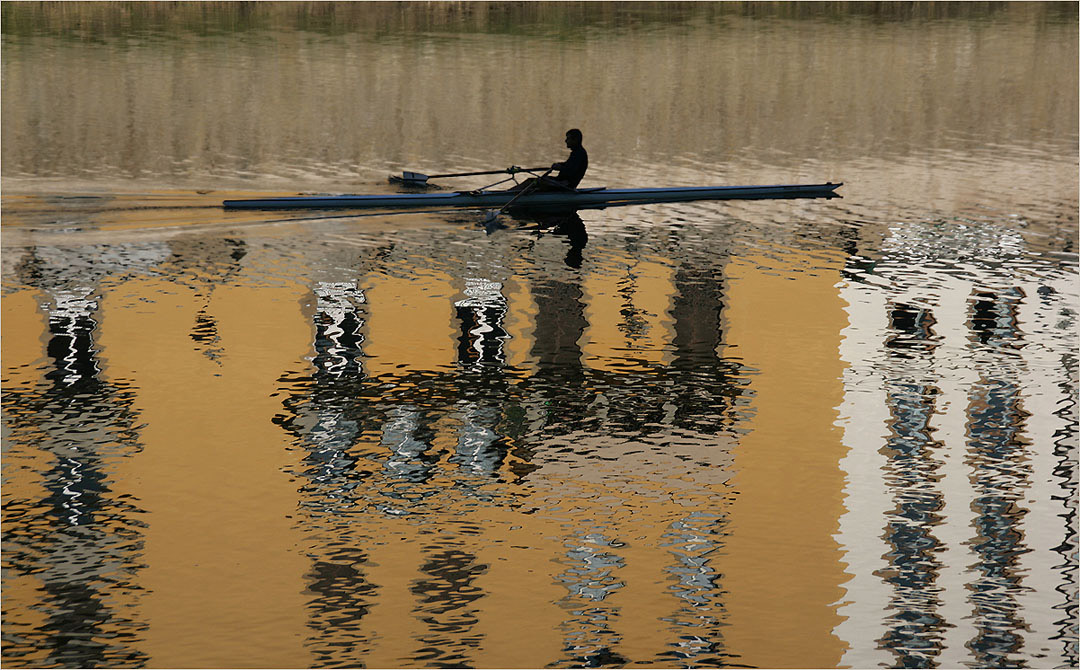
565,223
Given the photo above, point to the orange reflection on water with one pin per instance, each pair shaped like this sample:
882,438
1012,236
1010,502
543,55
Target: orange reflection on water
783,566
221,565
229,561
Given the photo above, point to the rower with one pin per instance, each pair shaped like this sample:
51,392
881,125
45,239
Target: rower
571,171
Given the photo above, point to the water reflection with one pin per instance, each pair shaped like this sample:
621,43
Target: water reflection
78,540
958,370
206,263
1065,474
591,570
663,435
340,597
699,619
915,629
446,592
996,454
338,340
566,224
550,398
481,316
419,443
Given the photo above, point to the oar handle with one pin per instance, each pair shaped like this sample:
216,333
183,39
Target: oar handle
525,190
513,169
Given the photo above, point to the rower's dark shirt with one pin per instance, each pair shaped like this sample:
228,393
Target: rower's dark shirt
574,167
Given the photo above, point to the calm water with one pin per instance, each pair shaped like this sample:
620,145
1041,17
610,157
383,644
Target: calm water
777,433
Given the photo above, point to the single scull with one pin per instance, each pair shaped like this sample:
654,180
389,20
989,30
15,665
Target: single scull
583,198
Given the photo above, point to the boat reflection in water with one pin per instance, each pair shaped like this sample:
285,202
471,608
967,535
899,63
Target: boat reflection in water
562,222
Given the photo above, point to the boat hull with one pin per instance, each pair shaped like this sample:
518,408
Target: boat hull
585,198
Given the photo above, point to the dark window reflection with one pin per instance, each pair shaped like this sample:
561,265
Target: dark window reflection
914,628
446,591
81,540
341,598
1000,477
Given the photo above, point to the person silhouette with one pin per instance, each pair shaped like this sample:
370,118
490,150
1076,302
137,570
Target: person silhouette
571,171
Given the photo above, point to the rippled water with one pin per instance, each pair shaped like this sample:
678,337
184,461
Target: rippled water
771,433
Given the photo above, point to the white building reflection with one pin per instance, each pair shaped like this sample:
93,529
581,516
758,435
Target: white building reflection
955,430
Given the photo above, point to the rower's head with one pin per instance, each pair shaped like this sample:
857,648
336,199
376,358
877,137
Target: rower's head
573,138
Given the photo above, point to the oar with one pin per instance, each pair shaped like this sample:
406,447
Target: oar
494,215
417,178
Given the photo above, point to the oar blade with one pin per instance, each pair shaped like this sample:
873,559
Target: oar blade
491,222
410,179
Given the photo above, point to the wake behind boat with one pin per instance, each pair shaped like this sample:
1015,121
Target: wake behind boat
574,198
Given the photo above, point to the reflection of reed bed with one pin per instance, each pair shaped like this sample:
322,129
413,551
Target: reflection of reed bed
282,103
104,20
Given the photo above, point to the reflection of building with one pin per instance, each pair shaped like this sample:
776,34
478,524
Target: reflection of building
76,538
911,474
445,595
199,350
591,573
339,338
425,430
481,315
948,433
618,389
996,456
650,460
780,564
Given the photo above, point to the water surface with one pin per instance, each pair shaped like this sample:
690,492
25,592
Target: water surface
798,433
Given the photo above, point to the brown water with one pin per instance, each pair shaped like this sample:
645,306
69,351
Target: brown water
771,433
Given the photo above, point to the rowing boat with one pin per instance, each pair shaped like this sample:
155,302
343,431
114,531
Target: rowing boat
581,198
